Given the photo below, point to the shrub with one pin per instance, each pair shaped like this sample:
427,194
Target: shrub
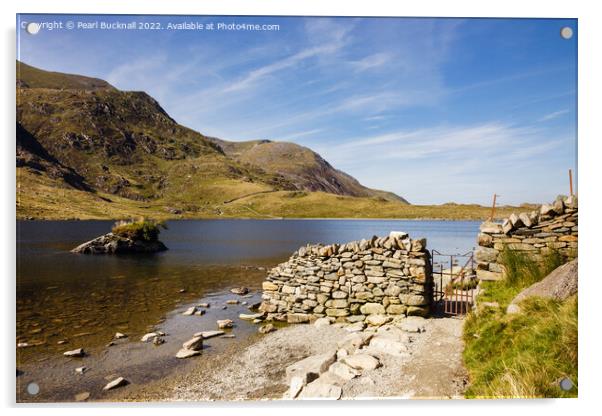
141,229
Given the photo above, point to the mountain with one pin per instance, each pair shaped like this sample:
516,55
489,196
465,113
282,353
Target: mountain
122,148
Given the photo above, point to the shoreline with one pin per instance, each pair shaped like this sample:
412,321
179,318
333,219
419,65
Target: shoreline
255,369
264,219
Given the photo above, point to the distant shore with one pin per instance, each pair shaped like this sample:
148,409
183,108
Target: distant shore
445,213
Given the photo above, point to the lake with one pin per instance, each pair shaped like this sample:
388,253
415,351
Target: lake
67,301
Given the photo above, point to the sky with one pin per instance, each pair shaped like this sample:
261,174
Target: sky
435,110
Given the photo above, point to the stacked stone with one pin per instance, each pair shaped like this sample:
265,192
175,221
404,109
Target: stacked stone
552,227
384,275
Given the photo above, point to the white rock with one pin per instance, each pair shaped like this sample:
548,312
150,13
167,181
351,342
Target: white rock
186,353
250,316
190,311
209,334
81,370
311,367
225,323
295,387
354,341
343,371
79,352
361,361
355,327
149,337
388,346
378,319
118,382
413,324
342,353
322,322
195,344
119,335
320,390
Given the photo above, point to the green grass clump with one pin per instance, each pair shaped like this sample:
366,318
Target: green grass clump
522,355
523,269
141,230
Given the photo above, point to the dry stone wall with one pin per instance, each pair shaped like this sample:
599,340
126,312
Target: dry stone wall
361,279
553,226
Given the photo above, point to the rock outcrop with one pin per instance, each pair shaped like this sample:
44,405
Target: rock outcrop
368,278
559,285
114,244
552,227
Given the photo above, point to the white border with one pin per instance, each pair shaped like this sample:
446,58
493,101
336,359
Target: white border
589,186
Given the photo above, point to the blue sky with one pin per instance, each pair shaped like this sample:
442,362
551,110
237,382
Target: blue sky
436,110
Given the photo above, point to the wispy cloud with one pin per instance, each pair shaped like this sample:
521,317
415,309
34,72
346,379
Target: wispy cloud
553,115
494,139
373,61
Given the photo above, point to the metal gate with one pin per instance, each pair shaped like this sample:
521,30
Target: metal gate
455,281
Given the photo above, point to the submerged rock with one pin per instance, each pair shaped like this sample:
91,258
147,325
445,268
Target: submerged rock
114,244
240,290
225,323
118,382
75,353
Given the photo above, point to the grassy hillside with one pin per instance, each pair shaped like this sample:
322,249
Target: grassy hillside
39,197
120,147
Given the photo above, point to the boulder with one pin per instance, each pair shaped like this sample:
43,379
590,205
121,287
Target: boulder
311,367
361,362
239,290
343,371
195,343
225,323
114,244
388,345
321,390
559,285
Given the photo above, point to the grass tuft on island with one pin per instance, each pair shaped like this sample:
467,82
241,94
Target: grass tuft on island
523,355
139,230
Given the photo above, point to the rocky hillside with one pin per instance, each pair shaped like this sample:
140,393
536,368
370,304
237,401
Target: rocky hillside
82,133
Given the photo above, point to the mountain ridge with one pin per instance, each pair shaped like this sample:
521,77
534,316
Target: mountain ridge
123,143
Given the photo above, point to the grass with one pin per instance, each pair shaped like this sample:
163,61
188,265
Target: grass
141,229
40,197
521,355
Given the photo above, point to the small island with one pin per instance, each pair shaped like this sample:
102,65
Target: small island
127,237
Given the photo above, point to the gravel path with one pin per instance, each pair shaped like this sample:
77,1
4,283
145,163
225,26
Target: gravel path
430,368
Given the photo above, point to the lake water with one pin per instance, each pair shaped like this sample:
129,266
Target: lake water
67,301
